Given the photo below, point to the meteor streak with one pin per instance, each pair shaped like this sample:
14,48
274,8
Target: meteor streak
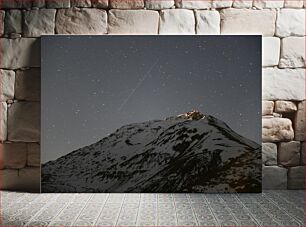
137,86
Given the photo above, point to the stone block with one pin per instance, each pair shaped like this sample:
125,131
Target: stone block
39,3
248,22
13,155
126,4
56,4
275,115
25,180
293,3
159,4
269,154
267,108
191,4
20,53
99,3
24,122
299,122
9,179
270,51
139,22
274,177
80,3
13,22
285,106
277,129
2,15
27,86
262,4
290,22
283,84
293,52
296,176
15,4
289,153
178,21
221,3
242,4
33,154
39,22
208,22
7,84
81,21
3,121
303,157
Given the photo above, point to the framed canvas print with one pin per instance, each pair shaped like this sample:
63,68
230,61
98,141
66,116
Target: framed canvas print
151,114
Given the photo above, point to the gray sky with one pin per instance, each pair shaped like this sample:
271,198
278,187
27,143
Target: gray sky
92,85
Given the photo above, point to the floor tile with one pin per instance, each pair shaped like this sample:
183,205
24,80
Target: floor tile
270,208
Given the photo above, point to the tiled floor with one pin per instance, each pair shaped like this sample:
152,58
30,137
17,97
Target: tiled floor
271,208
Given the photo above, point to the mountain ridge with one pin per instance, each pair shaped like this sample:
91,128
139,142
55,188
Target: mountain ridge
185,153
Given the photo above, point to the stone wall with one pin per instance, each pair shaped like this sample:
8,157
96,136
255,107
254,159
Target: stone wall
281,22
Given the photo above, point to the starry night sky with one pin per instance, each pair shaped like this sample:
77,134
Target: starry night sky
92,85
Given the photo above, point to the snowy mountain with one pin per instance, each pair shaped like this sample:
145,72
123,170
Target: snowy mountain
186,153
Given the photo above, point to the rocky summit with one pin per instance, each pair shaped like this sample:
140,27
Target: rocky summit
187,153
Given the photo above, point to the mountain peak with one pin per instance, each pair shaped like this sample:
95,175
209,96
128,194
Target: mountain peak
181,154
192,115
